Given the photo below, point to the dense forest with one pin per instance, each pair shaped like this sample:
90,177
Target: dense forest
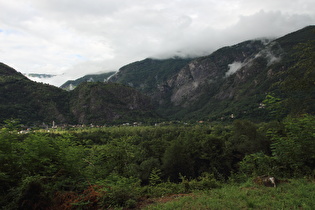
97,168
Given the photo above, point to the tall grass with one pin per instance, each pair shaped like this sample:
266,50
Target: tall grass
299,194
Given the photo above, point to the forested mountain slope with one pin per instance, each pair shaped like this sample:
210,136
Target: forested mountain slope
71,84
232,81
21,98
98,103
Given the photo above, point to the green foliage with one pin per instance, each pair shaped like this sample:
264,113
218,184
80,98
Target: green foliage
299,81
116,166
275,107
204,182
12,124
294,148
303,68
149,171
163,189
155,176
30,194
292,151
176,160
9,161
38,155
119,191
299,194
246,139
258,164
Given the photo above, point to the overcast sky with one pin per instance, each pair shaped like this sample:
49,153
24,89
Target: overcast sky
73,38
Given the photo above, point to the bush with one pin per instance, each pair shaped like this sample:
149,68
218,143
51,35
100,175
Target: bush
30,194
88,199
259,164
162,189
119,191
295,147
204,182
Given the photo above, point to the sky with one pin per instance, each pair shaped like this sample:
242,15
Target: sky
72,38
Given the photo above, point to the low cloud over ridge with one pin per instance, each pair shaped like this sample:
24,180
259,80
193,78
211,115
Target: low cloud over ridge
75,38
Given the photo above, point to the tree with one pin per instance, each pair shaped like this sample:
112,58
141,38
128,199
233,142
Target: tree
245,138
295,148
9,160
176,161
275,106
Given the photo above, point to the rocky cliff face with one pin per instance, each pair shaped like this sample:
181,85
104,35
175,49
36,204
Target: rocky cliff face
231,81
101,103
210,71
199,78
150,76
248,71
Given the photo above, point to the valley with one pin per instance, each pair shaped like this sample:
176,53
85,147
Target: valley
177,133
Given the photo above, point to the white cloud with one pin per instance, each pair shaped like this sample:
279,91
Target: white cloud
233,67
76,37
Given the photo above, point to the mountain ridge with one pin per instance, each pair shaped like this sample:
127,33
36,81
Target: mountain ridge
71,84
201,88
35,103
230,83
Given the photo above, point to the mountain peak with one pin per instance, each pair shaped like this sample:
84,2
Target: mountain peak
232,81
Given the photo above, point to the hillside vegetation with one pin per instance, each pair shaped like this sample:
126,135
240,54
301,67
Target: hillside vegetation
224,125
71,84
31,102
231,83
96,168
298,194
37,104
100,103
233,80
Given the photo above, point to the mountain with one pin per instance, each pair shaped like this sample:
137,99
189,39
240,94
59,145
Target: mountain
230,82
140,74
37,103
99,103
30,101
149,74
71,84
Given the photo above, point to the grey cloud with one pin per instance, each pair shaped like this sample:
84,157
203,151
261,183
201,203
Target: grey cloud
107,34
259,25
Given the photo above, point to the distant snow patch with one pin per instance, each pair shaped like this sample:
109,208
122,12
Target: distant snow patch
233,67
